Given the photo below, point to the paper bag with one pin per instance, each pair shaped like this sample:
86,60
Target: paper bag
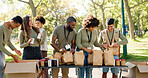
79,58
108,58
68,57
90,59
97,57
58,56
114,50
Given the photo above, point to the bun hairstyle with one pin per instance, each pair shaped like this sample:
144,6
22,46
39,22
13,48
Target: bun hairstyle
90,21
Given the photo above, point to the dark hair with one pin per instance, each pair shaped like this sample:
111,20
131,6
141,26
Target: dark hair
90,21
70,19
40,18
109,21
26,28
17,19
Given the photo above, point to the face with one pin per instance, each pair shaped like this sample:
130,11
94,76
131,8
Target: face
14,25
110,27
38,24
91,28
30,22
72,25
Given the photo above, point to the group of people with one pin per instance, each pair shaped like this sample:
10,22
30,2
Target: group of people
33,40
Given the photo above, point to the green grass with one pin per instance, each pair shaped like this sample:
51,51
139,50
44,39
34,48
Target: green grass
137,50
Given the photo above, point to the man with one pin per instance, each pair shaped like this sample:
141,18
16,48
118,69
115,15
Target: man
63,39
110,36
5,33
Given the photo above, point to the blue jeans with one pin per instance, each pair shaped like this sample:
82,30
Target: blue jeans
82,70
113,70
2,63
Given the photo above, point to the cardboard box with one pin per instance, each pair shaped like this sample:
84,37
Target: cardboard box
25,69
137,69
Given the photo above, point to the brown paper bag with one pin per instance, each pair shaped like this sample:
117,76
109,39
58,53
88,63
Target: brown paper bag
90,58
79,58
97,57
58,56
68,57
108,58
114,50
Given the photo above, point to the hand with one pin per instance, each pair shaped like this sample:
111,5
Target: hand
72,51
16,58
18,52
114,45
62,50
89,51
104,45
42,35
29,40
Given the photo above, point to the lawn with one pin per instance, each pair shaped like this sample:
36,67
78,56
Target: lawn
137,50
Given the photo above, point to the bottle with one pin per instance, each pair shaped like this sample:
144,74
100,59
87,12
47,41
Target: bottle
42,62
46,61
117,62
122,62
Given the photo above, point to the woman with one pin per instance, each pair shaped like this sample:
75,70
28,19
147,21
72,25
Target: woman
87,37
40,21
28,40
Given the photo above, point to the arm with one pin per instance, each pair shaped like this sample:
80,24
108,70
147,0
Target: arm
21,40
13,48
96,42
53,40
123,39
44,37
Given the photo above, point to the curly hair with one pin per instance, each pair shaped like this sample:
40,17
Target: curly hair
90,21
40,18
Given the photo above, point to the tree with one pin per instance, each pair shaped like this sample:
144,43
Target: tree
131,25
32,6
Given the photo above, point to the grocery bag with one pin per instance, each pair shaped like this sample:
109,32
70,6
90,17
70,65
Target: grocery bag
68,57
79,58
97,57
114,50
108,58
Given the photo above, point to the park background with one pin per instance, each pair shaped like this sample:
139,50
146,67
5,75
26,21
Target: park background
57,11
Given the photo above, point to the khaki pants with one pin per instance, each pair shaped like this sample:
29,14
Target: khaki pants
55,72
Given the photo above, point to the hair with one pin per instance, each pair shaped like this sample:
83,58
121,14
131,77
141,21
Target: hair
70,19
90,21
40,18
17,19
110,21
26,28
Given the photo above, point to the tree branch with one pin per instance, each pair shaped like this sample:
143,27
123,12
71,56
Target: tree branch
103,3
138,4
24,1
38,4
95,3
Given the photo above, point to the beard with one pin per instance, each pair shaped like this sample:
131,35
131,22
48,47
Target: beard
69,28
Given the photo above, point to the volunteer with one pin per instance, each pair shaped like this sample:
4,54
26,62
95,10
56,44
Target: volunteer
62,40
110,36
29,41
5,33
87,37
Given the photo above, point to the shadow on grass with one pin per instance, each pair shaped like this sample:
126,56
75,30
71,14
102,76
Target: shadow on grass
134,58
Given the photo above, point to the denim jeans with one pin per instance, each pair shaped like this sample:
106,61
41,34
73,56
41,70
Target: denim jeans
82,70
2,63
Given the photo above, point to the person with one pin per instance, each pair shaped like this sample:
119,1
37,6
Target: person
110,36
87,37
29,41
63,39
40,21
5,33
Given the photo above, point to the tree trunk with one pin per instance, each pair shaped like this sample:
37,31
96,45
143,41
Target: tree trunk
33,9
131,25
142,27
103,17
138,24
